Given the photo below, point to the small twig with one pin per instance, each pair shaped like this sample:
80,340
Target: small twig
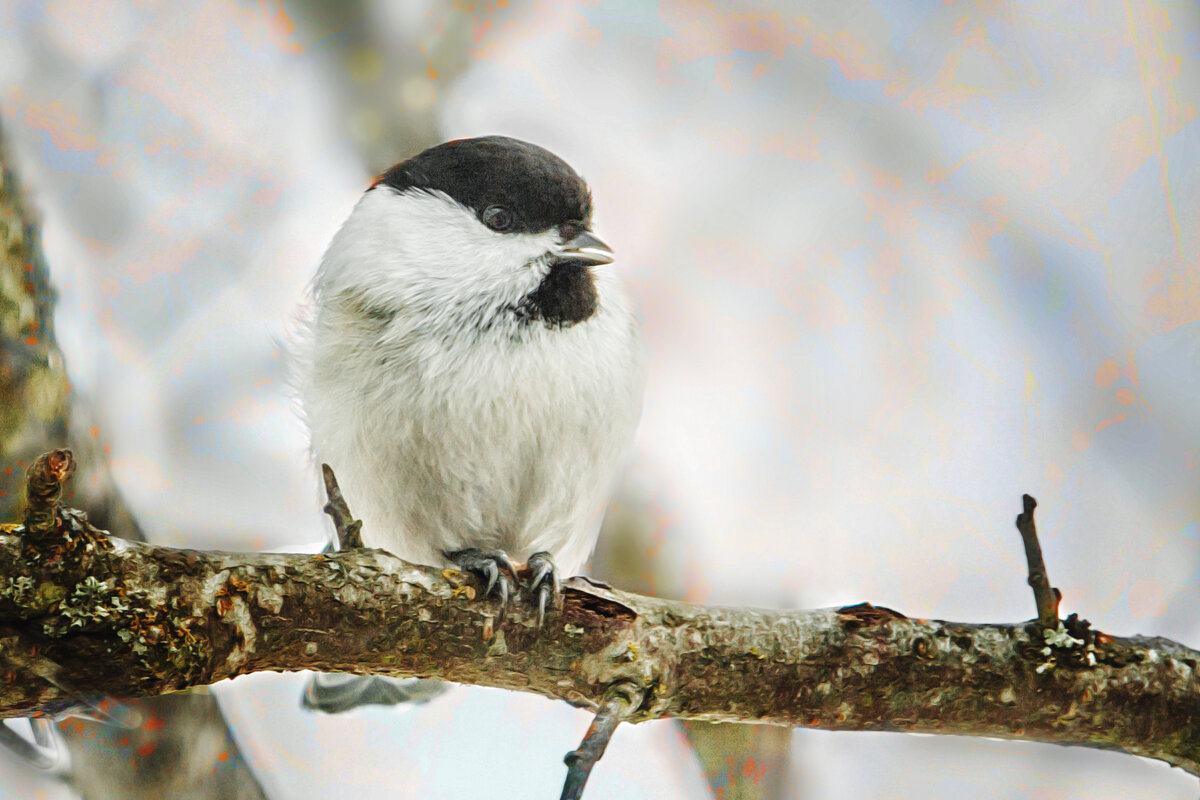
619,702
1044,595
43,490
348,528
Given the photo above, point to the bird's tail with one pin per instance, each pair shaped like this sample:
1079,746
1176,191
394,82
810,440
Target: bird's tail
335,692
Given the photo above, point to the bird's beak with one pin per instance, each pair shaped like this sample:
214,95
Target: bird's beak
586,248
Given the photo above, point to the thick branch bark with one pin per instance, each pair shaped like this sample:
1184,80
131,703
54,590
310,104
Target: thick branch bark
127,619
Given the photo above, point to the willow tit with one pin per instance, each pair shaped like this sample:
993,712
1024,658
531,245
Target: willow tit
472,370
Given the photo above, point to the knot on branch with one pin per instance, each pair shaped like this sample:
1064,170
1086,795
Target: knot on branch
582,605
865,614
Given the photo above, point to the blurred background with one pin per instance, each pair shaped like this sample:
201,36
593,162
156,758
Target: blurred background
897,263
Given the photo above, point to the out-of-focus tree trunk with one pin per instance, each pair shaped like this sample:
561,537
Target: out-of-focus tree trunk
33,381
183,750
742,762
393,65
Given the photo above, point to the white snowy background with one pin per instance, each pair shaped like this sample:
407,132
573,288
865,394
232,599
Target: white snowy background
897,263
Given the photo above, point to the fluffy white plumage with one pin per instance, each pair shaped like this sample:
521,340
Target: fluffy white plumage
451,422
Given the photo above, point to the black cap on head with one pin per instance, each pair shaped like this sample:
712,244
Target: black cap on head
538,189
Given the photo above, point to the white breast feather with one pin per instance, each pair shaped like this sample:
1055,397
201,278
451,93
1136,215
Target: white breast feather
449,423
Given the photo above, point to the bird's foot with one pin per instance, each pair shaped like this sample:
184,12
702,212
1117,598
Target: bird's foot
493,568
543,583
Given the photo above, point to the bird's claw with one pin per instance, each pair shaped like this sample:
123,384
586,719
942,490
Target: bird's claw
544,583
491,566
496,570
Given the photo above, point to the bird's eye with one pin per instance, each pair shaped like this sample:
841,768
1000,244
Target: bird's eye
497,218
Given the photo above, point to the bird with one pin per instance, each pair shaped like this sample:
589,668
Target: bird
472,369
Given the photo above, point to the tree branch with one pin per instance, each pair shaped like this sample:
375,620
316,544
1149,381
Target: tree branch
124,619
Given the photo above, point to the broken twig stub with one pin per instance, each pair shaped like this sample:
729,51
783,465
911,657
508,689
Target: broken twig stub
1045,596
